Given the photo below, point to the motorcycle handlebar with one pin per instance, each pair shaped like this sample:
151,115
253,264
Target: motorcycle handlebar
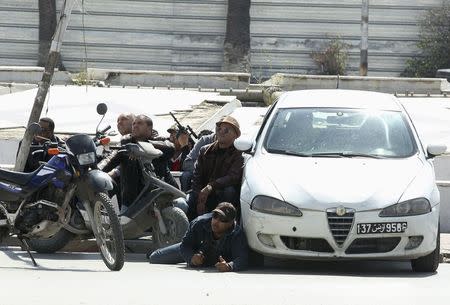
47,144
142,149
105,129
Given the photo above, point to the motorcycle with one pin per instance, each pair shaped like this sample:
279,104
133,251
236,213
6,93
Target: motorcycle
45,208
151,215
153,212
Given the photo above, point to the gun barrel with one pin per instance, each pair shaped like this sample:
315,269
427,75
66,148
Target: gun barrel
182,128
192,132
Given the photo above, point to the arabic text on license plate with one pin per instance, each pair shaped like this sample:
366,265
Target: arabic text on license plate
381,227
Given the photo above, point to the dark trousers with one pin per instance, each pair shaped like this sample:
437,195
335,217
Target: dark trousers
228,194
186,180
167,255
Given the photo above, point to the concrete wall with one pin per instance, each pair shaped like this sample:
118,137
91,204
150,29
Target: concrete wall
185,79
187,35
13,79
8,151
31,75
288,82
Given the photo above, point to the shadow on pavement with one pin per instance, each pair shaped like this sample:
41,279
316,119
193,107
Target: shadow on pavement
22,256
393,269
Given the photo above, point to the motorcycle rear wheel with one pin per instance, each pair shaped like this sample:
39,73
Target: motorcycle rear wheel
176,223
110,236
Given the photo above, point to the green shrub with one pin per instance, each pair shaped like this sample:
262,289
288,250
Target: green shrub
80,79
434,43
333,60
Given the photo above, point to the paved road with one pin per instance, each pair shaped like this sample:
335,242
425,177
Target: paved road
78,278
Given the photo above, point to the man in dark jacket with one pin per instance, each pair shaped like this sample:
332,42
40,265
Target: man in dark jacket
213,239
45,134
218,171
131,177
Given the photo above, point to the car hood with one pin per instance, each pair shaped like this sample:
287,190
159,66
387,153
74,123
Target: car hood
360,183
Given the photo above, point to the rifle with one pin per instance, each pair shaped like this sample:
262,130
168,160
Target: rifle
186,129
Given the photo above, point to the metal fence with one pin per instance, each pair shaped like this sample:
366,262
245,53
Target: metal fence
188,34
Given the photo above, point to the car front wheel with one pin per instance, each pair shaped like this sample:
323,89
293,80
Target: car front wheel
430,262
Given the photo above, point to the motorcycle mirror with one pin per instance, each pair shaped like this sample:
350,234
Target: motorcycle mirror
102,108
34,128
149,150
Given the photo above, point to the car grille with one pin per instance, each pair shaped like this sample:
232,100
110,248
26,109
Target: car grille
340,226
373,245
307,244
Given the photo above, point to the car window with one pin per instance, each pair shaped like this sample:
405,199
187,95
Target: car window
305,131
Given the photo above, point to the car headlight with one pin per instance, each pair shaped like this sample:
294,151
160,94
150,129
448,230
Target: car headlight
411,207
87,158
271,205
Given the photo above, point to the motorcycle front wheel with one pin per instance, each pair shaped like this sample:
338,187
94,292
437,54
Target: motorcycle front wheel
176,224
110,236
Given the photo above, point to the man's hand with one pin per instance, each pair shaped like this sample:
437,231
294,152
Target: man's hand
197,259
222,265
201,208
183,139
202,197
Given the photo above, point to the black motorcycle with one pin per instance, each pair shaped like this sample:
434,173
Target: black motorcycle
153,212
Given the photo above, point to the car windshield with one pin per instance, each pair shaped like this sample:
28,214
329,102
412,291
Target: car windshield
334,132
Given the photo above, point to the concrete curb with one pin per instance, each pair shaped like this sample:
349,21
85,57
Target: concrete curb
179,79
290,82
118,77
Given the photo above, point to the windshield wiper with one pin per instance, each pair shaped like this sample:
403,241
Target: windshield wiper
346,154
288,152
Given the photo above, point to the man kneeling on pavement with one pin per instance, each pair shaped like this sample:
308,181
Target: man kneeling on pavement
213,239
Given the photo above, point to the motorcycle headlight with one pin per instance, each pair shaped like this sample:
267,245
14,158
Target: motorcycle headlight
411,207
87,158
271,205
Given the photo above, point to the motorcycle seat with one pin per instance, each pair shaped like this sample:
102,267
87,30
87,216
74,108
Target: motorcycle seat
18,178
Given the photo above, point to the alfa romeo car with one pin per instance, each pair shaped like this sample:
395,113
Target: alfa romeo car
340,174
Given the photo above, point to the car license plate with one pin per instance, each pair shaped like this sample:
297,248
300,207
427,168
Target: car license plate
381,227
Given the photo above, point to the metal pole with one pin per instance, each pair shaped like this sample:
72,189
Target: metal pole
363,66
49,70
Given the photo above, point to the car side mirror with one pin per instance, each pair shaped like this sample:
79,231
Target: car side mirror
436,150
244,143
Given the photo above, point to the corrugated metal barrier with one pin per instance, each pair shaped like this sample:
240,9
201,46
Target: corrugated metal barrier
188,34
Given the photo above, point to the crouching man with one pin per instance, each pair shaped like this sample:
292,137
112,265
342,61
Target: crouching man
213,239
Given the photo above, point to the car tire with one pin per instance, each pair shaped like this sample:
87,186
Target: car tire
430,262
255,259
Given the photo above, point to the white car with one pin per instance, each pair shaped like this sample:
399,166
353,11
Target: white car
340,174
